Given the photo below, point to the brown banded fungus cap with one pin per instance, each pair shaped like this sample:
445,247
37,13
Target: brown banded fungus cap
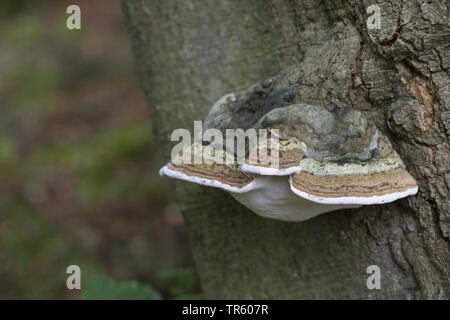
207,172
330,157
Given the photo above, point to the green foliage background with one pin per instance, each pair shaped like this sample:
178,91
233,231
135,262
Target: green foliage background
79,177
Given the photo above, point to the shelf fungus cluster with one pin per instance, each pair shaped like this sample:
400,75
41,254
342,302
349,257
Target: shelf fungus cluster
328,158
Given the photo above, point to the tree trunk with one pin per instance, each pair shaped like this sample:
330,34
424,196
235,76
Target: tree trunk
190,53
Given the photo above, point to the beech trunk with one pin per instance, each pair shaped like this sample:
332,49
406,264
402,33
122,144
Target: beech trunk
190,53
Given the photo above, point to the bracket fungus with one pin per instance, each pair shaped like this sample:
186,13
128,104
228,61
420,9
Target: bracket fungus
328,158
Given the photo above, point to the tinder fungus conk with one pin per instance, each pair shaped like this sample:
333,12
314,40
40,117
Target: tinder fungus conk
329,157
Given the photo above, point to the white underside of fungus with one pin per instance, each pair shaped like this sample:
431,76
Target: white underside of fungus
271,197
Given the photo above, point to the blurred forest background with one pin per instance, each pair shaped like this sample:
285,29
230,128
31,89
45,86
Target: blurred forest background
79,177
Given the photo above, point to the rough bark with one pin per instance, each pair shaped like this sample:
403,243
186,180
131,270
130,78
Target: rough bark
189,53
